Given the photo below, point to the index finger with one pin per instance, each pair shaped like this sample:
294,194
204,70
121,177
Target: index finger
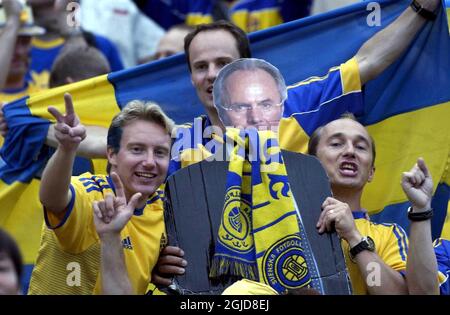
55,113
118,185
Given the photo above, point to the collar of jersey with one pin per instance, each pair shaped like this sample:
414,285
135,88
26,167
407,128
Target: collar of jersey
359,214
44,44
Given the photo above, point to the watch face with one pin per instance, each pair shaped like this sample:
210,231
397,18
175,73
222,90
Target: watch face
371,244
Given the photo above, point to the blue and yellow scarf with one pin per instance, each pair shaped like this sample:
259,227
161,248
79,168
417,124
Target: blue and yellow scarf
259,237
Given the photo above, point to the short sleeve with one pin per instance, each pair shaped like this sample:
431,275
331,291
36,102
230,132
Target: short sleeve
75,232
394,247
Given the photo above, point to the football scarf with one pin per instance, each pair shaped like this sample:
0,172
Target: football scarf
259,237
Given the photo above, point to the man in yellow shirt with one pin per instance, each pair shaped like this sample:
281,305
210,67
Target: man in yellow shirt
69,257
375,254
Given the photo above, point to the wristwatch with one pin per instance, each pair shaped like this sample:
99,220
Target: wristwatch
366,243
427,14
420,216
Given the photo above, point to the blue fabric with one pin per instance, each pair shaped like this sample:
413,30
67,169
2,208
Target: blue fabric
170,13
397,213
23,153
442,250
289,9
42,59
110,51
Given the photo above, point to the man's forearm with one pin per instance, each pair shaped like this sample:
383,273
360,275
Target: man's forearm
115,279
385,47
379,277
421,267
8,39
54,191
92,147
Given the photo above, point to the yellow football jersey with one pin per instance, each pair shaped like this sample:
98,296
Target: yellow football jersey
391,244
69,257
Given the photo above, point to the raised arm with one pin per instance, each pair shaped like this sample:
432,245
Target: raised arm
54,191
421,267
92,147
8,37
380,51
110,217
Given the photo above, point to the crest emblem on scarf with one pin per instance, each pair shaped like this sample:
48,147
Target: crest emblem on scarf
285,264
235,234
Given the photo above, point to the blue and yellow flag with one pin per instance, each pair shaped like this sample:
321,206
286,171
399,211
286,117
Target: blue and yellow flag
406,109
255,15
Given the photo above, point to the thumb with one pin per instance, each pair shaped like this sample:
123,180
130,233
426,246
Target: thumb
132,204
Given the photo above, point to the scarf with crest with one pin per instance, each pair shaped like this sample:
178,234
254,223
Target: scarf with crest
260,237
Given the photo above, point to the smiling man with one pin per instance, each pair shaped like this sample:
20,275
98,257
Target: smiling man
69,258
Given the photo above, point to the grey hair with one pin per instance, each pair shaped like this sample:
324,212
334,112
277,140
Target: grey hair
220,93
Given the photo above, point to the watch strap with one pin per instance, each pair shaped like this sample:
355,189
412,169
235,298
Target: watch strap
427,14
420,216
365,244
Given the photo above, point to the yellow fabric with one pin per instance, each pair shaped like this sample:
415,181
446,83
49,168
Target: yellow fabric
99,166
248,287
291,129
83,98
256,20
77,241
391,245
22,205
428,122
448,19
153,290
45,44
351,81
198,18
441,278
446,229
